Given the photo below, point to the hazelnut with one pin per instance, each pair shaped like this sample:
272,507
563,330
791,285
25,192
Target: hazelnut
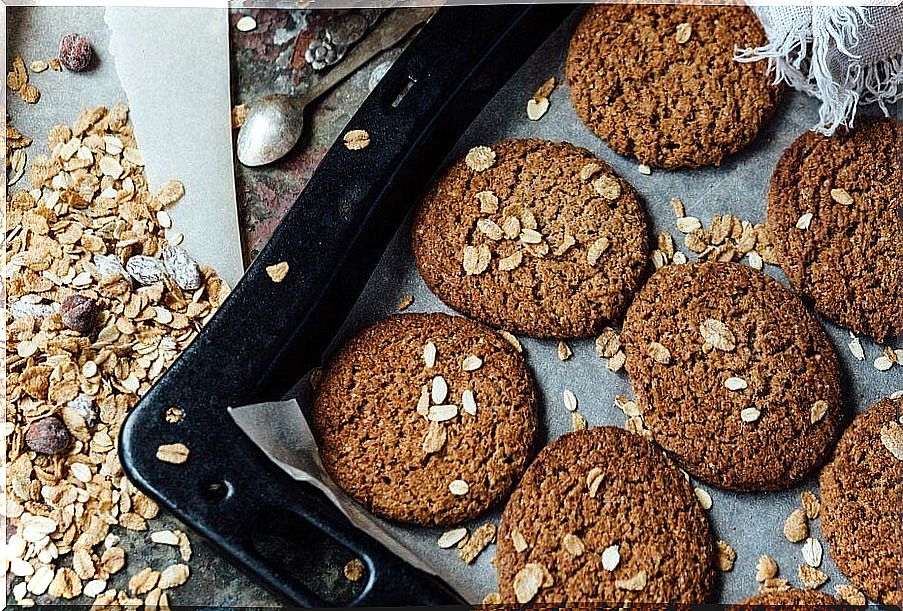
75,52
48,436
79,313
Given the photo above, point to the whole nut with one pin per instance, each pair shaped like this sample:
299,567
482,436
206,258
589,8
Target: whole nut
75,52
48,436
79,313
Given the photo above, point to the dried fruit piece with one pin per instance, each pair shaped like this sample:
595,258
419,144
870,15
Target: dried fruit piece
48,436
184,271
79,313
144,270
75,52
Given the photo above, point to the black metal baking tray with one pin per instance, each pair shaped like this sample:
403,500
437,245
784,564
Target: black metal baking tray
267,334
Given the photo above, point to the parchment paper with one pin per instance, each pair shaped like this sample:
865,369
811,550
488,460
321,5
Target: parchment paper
751,523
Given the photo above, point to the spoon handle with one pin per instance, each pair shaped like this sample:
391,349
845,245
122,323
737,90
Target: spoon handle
392,28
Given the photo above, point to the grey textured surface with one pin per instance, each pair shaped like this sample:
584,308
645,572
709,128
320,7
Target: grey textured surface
751,523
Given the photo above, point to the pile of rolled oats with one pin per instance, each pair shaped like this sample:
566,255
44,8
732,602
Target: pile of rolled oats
98,305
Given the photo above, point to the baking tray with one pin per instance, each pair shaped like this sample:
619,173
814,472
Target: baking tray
751,523
267,334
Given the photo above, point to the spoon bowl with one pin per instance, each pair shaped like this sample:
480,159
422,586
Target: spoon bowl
271,129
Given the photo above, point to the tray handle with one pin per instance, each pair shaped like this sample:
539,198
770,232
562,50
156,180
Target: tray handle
268,334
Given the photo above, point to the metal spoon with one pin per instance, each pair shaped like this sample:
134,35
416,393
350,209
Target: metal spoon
274,123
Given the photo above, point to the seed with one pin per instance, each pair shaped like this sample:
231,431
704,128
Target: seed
634,584
570,400
659,353
749,414
278,271
573,545
596,250
611,557
804,221
688,224
726,556
842,197
704,498
682,33
441,413
564,351
812,552
892,438
429,355
451,538
480,158
734,384
246,24
527,582
356,139
518,541
439,390
471,363
536,108
468,402
174,453
766,568
718,335
458,487
818,411
796,528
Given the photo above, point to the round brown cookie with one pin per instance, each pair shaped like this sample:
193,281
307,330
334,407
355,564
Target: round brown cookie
603,516
436,459
810,599
732,375
665,102
845,257
533,236
861,490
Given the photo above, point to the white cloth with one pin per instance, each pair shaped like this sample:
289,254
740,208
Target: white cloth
843,55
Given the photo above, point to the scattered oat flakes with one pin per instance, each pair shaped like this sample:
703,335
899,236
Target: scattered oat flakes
634,584
405,302
356,139
174,415
578,422
659,353
755,260
480,158
492,599
644,169
173,576
726,556
278,272
850,594
238,115
570,400
441,413
518,541
528,581
476,259
749,414
811,504
536,108
804,221
511,340
39,65
596,250
611,558
628,406
429,355
682,33
174,453
438,390
811,578
812,552
677,205
688,224
718,335
573,544
512,261
734,384
616,362
883,363
892,438
564,351
469,402
842,197
608,344
608,187
489,202
354,570
459,487
594,479
855,347
143,581
165,537
796,528
766,568
479,540
451,538
471,363
435,438
775,585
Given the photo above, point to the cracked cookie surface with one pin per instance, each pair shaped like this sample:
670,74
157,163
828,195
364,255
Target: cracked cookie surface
608,518
404,456
847,258
533,236
749,397
861,491
659,82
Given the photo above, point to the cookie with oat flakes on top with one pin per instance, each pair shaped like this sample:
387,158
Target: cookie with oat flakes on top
848,258
733,376
426,418
533,236
861,491
602,515
659,82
